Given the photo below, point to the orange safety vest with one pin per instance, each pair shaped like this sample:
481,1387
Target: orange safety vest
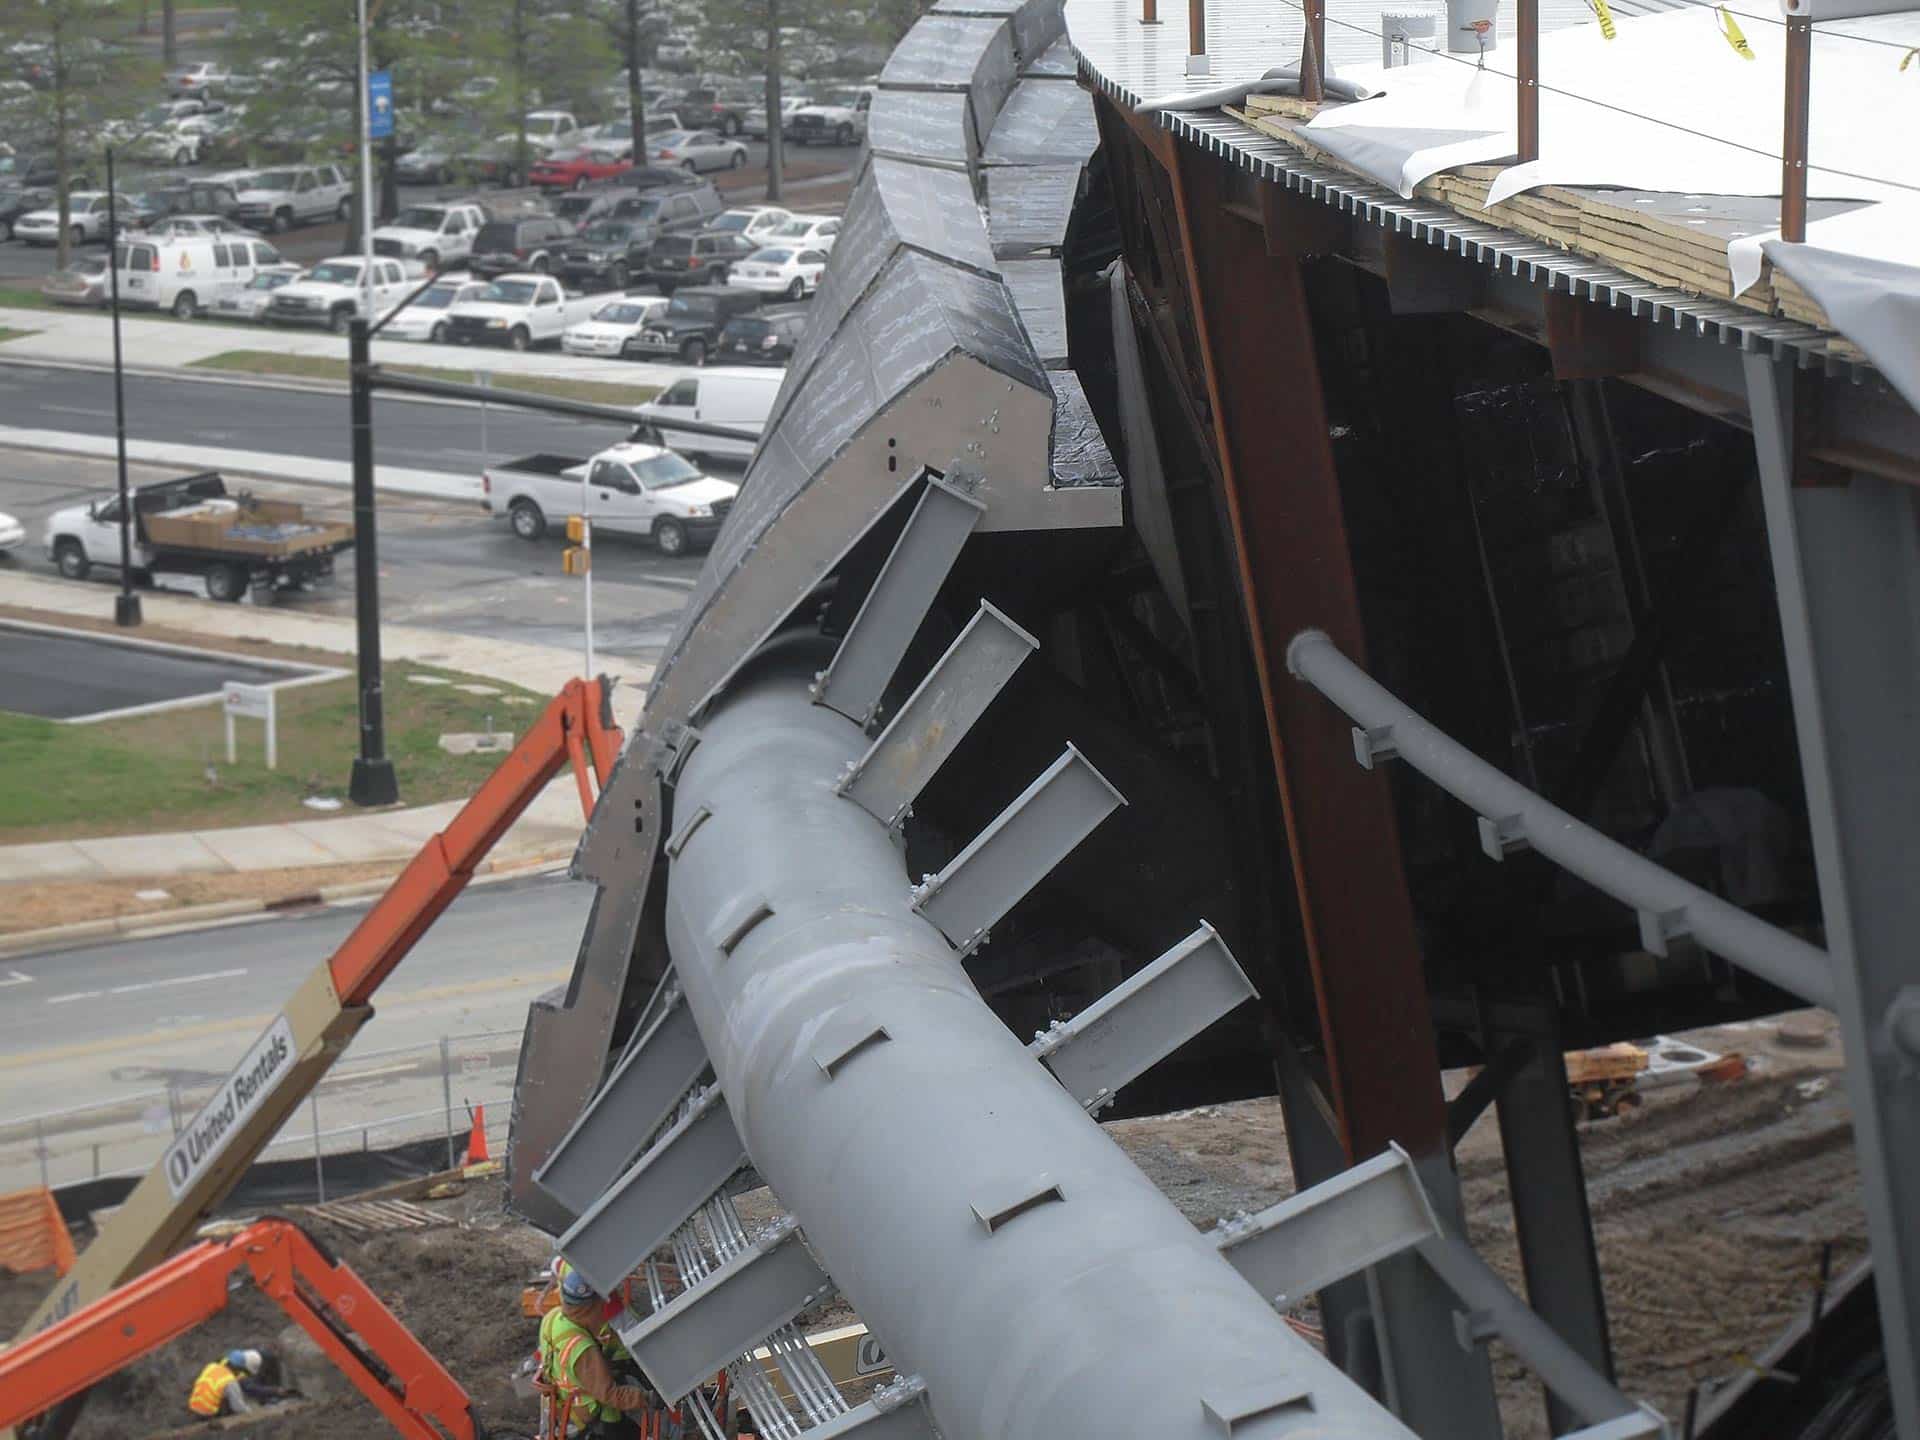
210,1389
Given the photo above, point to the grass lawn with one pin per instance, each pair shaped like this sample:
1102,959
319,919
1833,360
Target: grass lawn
13,297
325,367
148,774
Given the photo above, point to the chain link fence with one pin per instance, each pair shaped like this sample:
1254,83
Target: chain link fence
370,1101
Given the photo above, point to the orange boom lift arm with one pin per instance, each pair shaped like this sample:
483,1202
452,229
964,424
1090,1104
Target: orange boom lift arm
324,1297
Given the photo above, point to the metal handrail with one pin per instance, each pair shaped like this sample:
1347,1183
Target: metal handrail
1511,816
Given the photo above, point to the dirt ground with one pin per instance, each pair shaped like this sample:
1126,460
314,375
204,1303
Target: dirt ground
1710,1204
30,905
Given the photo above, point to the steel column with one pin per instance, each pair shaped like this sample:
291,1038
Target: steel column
1846,568
1793,142
1270,430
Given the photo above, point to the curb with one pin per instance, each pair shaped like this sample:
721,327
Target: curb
189,916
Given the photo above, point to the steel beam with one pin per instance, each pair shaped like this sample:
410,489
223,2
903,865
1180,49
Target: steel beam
890,616
636,1100
683,1170
893,1160
727,1314
1014,853
1144,1019
1282,493
933,720
1846,570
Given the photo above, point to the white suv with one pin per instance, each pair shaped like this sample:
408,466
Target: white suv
279,199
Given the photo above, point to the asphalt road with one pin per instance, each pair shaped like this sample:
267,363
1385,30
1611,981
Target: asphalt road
442,565
290,422
82,1027
59,676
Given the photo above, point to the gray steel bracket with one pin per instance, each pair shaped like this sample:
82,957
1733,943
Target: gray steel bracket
636,1100
1017,850
897,1411
728,1313
913,573
683,1170
1144,1018
844,1034
937,716
1242,1406
1378,1209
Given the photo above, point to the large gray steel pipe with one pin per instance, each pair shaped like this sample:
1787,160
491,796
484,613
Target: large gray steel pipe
921,1167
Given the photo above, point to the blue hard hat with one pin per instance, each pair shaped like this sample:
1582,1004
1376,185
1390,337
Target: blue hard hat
237,1360
575,1288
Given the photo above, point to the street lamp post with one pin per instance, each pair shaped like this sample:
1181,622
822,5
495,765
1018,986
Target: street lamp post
126,605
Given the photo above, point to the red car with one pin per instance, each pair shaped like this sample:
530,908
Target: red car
572,169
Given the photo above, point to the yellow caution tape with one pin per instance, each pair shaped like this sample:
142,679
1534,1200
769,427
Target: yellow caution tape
1603,12
1730,28
1907,59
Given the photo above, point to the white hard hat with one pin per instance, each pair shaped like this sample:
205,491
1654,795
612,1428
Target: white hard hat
253,1361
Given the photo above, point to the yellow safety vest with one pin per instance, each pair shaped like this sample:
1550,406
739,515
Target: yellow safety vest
608,1337
210,1389
562,1343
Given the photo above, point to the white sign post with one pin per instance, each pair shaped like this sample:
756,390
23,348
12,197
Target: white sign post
255,702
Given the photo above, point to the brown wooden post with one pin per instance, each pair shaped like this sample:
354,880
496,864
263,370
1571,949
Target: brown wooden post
1313,53
1197,37
1149,12
1527,40
1793,146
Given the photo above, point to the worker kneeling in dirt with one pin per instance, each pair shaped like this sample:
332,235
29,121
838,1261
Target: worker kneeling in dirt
231,1386
573,1362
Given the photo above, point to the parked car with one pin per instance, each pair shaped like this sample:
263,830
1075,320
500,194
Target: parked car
435,235
298,195
778,270
706,108
697,150
632,488
38,171
84,282
580,208
738,397
756,222
618,134
183,272
17,200
691,323
807,232
768,338
705,258
250,300
529,243
614,327
86,220
669,212
546,130
204,77
606,253
198,198
518,311
12,533
331,293
838,118
426,317
576,168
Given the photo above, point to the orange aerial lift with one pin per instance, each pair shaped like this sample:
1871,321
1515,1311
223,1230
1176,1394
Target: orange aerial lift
324,1297
204,1162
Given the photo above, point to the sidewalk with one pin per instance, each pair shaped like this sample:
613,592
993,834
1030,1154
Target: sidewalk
85,337
549,829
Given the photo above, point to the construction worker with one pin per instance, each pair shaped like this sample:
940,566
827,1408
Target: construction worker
573,1361
231,1386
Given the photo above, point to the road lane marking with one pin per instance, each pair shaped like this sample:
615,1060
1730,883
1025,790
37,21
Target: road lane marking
14,977
77,410
77,995
176,980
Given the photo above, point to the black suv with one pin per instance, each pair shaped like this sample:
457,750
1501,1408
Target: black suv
17,200
702,259
667,211
194,197
503,247
765,339
690,326
704,108
607,252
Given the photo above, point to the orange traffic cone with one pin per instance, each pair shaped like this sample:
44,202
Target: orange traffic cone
477,1140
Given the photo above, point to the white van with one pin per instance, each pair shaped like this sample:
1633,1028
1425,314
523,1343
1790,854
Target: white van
185,272
738,396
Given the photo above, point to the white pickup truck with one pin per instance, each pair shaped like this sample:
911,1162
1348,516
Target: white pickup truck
435,235
331,293
630,489
519,311
836,118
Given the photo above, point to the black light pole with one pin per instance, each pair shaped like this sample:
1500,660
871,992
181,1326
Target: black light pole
126,606
373,781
